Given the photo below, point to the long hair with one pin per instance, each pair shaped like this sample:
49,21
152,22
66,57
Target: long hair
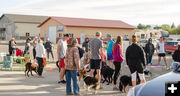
74,42
134,39
150,39
118,41
178,46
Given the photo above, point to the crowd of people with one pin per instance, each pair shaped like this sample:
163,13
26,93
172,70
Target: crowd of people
94,53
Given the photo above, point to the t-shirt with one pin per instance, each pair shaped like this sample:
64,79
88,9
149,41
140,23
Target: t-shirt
161,47
94,45
63,48
85,44
109,46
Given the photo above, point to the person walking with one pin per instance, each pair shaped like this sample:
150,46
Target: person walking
160,49
176,57
48,46
149,50
61,52
135,59
12,47
96,48
27,50
109,50
118,59
72,65
34,48
40,54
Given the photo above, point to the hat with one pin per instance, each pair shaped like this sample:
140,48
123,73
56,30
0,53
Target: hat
48,39
98,33
66,35
109,35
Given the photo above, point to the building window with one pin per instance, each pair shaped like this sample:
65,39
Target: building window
27,34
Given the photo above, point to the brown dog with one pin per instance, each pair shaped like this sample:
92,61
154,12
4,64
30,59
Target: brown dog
30,67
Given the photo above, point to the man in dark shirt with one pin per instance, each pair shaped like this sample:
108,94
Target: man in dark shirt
85,44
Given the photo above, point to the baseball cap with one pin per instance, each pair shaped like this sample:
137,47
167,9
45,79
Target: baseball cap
109,35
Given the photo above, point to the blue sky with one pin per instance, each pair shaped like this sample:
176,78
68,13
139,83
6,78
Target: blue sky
130,11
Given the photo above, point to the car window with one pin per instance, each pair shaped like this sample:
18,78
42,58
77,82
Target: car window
178,39
171,43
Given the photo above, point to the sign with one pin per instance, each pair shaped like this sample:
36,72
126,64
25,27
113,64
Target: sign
60,28
172,89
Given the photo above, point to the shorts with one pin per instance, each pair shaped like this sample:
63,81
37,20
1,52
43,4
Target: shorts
139,68
62,63
161,54
109,56
95,64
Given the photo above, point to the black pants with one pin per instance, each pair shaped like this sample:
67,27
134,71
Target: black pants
49,51
34,53
117,71
40,65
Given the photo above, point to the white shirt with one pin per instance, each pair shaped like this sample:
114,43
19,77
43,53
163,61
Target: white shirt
161,47
40,50
63,48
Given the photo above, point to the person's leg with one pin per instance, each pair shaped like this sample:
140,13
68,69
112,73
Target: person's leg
150,59
165,61
62,72
133,76
147,59
41,66
68,82
75,82
159,59
98,75
117,71
140,71
47,53
52,54
92,67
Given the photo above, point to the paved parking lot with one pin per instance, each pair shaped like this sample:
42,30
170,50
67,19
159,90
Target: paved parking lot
14,83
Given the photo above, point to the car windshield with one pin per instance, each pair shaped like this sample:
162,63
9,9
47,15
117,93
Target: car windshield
144,41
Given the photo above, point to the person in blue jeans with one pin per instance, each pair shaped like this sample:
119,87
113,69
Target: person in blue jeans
110,43
149,50
72,65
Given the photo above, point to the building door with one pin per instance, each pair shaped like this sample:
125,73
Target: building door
52,33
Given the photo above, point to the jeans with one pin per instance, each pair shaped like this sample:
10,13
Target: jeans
72,74
148,59
40,65
117,71
49,51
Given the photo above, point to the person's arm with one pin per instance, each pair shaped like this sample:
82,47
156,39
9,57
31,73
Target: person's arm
76,57
101,51
127,55
43,51
120,52
142,56
58,50
157,45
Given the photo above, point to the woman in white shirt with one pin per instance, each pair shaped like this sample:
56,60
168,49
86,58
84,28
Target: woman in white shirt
40,54
160,49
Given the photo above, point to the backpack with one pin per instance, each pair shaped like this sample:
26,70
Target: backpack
81,52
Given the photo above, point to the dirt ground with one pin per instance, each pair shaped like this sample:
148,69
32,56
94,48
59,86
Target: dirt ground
14,83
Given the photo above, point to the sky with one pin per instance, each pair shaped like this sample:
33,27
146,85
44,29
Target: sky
154,12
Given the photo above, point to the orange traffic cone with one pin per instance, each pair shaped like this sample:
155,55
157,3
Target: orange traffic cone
50,69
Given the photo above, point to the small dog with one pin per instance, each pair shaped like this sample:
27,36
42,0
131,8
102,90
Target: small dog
90,82
31,67
126,81
107,74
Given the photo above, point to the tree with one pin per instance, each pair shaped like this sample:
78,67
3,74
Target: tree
148,27
141,26
178,29
166,27
157,27
173,26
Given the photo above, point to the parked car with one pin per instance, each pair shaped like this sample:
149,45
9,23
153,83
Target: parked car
156,86
144,42
171,46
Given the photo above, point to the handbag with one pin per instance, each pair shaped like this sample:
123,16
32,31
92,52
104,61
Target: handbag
44,62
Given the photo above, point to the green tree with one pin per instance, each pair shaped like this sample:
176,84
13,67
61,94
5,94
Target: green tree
141,26
148,26
166,27
178,29
173,26
157,27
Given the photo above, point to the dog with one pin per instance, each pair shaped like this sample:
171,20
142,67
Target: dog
90,82
31,67
107,74
125,81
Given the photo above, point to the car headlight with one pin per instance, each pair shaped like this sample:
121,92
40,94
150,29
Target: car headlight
131,92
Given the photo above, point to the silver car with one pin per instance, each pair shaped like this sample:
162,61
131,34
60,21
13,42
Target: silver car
156,86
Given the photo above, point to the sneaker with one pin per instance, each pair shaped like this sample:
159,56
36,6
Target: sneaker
116,89
62,81
69,94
